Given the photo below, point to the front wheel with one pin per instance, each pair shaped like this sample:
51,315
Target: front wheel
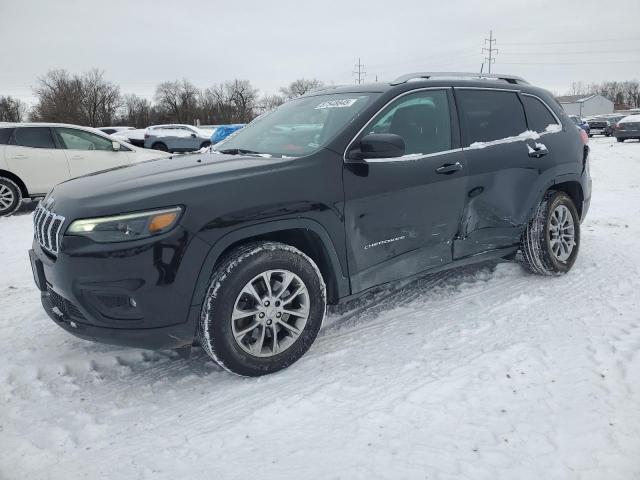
620,140
263,309
10,197
159,146
551,240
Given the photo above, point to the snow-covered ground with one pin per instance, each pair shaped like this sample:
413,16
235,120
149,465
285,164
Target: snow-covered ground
480,373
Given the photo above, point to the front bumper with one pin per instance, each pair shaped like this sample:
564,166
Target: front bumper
136,294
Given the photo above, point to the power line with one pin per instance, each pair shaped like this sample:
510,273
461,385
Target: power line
570,63
599,40
573,52
490,59
359,72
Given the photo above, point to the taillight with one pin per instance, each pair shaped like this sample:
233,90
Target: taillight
619,126
146,135
584,136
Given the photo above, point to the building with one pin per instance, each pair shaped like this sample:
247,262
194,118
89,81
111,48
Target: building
586,105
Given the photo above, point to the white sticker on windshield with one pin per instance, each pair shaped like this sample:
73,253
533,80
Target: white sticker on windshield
346,102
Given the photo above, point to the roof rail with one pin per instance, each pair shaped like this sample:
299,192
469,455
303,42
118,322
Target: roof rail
426,75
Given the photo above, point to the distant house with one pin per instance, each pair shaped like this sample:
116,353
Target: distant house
586,105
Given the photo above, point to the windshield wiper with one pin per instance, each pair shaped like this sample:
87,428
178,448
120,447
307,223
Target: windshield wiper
239,151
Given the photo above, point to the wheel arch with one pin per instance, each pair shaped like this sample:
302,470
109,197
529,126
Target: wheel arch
17,180
573,189
304,234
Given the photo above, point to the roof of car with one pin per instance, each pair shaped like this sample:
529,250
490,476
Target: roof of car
417,80
47,124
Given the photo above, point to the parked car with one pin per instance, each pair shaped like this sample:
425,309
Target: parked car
134,137
223,131
627,128
176,138
581,123
241,247
36,156
600,126
112,130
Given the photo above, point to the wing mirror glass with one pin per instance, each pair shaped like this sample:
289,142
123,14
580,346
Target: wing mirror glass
115,145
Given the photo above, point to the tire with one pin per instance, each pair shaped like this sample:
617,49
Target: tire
205,144
542,255
252,353
620,140
10,197
159,146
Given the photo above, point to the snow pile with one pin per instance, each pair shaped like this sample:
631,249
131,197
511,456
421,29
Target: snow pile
485,372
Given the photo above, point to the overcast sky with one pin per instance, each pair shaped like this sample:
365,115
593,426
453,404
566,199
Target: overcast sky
139,43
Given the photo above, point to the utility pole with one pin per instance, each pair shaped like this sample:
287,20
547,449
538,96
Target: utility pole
359,72
491,51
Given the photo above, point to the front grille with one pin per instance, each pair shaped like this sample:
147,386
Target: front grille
46,229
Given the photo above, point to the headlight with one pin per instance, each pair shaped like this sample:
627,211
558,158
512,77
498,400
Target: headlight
130,226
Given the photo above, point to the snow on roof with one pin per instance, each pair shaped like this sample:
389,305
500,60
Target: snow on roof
579,98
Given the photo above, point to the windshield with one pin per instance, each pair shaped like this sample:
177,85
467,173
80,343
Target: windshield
299,127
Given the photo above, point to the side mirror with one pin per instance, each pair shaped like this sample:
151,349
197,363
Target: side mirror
193,135
115,145
378,145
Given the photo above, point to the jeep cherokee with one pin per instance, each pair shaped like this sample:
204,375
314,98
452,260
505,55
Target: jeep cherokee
336,192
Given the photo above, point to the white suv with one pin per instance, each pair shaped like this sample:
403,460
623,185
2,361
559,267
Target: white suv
36,156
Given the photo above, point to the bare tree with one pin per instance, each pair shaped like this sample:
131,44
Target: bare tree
230,102
12,109
178,100
300,87
136,111
269,102
100,99
59,98
244,98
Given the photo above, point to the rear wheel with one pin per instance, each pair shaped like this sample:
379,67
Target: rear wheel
10,197
205,144
551,240
263,309
620,140
160,146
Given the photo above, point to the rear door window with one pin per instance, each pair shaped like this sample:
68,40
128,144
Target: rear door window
538,115
491,115
5,135
34,137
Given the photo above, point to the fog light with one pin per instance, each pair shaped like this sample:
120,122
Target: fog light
132,302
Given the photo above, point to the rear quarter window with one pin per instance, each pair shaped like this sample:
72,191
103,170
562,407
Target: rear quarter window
491,115
5,135
34,137
538,115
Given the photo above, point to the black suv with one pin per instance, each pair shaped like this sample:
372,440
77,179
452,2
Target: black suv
339,191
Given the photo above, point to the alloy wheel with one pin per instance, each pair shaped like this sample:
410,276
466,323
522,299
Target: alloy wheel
6,197
561,233
270,313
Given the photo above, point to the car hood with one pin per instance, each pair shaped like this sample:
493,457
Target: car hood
175,180
137,155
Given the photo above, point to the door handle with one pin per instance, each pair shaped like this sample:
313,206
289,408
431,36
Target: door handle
449,168
537,151
18,156
76,157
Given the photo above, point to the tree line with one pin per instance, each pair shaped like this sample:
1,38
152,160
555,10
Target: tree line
621,93
90,99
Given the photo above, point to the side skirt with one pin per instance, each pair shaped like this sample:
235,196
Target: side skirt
461,262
